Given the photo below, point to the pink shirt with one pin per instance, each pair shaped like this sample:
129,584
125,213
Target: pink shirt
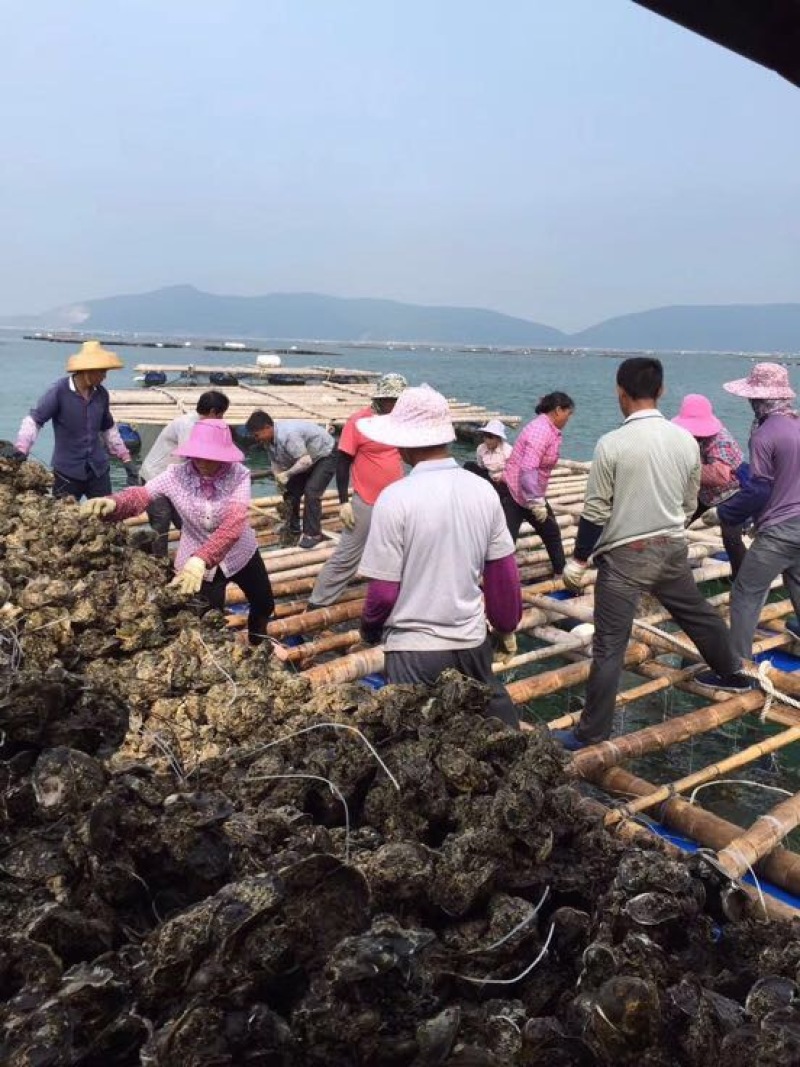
374,466
532,459
493,460
213,512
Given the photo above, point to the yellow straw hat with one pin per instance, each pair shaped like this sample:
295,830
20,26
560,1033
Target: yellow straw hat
93,356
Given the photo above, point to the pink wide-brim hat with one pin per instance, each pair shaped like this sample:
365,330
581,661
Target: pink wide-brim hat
766,381
421,419
697,416
211,439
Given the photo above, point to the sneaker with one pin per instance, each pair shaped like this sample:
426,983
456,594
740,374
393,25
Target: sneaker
793,626
568,740
309,541
729,683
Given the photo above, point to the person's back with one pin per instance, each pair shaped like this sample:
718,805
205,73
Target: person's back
649,470
775,457
443,524
293,437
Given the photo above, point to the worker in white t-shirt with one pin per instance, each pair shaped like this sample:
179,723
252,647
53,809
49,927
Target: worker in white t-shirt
434,536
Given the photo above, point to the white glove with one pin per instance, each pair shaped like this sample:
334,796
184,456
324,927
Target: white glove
99,507
282,479
505,645
538,508
347,515
574,576
190,579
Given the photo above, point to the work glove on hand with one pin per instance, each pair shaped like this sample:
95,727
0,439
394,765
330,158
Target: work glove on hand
347,515
710,517
99,507
190,579
131,473
281,479
538,508
505,645
574,575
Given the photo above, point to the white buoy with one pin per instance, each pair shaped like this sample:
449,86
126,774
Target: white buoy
584,629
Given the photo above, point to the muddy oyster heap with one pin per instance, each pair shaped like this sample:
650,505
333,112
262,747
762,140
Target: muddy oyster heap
334,877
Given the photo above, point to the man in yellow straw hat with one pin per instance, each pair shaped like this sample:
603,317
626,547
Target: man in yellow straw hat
79,408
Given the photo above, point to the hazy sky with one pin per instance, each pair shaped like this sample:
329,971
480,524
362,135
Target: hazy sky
563,160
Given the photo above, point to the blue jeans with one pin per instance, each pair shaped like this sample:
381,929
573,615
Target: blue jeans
657,565
774,551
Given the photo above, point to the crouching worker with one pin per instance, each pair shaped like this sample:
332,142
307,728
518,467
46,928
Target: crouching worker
211,494
433,535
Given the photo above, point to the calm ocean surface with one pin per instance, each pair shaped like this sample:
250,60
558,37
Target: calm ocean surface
510,383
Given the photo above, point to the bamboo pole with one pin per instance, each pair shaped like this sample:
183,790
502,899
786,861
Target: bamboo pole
588,762
561,677
739,855
707,774
781,866
347,668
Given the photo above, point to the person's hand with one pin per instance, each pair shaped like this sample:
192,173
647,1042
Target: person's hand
538,508
18,457
98,508
281,479
190,579
505,645
347,515
710,517
574,576
131,473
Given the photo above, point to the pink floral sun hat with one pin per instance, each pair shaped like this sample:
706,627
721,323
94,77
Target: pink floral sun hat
697,416
766,381
211,439
421,419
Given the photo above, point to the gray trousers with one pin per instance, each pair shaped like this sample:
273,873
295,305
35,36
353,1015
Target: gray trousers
774,551
309,487
423,668
343,564
161,514
659,566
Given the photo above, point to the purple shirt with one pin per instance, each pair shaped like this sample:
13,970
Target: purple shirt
775,458
80,451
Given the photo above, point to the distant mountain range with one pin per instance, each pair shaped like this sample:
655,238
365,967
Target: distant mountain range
182,310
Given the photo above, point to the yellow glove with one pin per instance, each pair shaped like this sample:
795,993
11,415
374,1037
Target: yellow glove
347,515
538,508
98,508
282,479
574,576
505,645
190,579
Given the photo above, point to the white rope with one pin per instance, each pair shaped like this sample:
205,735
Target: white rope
739,781
520,926
516,978
315,778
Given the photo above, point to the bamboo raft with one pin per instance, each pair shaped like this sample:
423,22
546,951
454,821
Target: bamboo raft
344,375
330,652
325,402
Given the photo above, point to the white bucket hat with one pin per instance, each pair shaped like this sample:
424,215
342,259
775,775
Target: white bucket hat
494,427
421,419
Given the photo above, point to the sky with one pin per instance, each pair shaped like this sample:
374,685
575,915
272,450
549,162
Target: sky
564,161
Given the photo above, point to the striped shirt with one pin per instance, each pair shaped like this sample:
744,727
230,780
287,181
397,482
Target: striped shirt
643,482
532,459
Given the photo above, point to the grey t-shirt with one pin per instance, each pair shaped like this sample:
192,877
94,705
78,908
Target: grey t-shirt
295,438
432,532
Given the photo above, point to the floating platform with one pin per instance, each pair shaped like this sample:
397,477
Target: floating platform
326,402
546,676
190,373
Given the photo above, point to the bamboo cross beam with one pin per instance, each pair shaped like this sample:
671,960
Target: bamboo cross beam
766,832
707,774
547,682
781,866
589,762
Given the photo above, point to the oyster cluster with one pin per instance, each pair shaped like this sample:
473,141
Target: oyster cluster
203,862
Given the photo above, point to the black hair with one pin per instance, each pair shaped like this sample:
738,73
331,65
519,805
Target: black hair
259,420
551,401
641,377
212,400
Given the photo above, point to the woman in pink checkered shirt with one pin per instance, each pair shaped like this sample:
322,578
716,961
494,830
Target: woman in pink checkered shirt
533,457
211,494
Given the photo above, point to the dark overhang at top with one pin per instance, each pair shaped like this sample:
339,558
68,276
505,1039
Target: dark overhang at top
766,31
